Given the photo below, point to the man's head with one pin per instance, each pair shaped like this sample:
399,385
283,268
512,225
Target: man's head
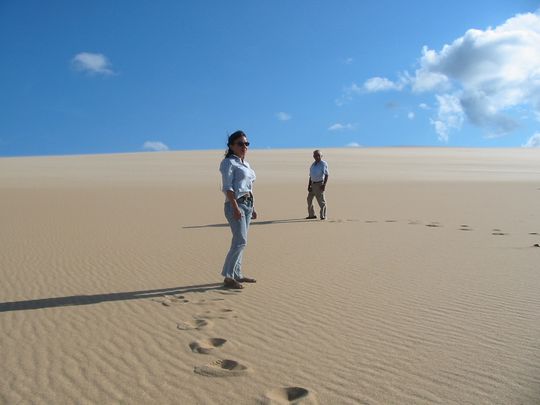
317,155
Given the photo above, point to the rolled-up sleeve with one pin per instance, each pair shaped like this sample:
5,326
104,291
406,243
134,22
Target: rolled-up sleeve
227,177
325,170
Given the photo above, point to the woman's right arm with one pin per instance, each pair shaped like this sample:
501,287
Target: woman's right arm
226,170
234,204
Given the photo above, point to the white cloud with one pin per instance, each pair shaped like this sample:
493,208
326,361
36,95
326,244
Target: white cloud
490,72
449,115
372,85
353,145
348,93
376,84
496,70
341,127
410,115
533,141
348,61
423,106
93,63
425,80
283,116
155,146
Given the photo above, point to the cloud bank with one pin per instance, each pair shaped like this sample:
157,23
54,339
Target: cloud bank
481,77
533,141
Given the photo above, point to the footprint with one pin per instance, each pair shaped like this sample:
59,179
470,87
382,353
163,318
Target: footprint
434,225
229,292
224,313
465,228
498,232
533,233
370,222
208,301
287,395
222,368
196,324
352,220
391,220
536,245
414,222
168,300
205,346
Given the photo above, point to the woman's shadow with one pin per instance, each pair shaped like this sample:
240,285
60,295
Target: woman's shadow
272,222
97,298
131,295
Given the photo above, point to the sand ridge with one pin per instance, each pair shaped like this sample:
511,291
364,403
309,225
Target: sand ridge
422,285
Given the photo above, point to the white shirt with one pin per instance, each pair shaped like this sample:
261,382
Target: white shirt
236,176
318,170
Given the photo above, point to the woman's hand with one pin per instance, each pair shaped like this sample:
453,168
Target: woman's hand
237,214
254,215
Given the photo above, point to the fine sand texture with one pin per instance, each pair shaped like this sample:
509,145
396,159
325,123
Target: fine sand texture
421,287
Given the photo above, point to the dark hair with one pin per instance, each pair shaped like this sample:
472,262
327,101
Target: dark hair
232,138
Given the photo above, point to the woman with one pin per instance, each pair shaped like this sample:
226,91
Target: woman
238,178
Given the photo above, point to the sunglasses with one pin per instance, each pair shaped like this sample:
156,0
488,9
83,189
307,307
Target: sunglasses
242,143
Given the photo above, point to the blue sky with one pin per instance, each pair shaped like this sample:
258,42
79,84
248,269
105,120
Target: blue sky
126,76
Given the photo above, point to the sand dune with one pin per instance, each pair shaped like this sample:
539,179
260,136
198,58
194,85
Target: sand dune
423,285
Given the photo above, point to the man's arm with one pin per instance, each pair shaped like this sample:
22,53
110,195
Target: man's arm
309,184
325,181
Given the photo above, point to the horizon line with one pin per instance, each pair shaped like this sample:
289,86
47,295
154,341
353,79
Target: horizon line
264,149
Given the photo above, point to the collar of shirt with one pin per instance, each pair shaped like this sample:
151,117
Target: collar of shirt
239,160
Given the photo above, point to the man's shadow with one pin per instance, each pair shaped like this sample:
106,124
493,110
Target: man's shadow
97,298
255,222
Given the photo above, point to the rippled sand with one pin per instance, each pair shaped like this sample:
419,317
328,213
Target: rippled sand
423,286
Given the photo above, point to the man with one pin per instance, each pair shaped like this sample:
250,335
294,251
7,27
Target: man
318,177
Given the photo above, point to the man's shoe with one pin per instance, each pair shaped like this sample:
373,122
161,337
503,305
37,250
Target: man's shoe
311,217
323,218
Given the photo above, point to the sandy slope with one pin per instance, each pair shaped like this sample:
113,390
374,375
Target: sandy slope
423,286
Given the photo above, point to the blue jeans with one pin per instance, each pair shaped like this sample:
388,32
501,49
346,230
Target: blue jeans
232,268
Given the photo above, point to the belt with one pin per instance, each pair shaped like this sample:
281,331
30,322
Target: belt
316,182
245,198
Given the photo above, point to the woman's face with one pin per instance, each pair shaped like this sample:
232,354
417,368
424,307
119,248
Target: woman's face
240,147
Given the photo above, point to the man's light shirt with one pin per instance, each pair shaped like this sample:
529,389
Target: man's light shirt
317,171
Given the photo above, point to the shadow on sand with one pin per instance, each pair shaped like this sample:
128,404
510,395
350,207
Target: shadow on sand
274,222
96,299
